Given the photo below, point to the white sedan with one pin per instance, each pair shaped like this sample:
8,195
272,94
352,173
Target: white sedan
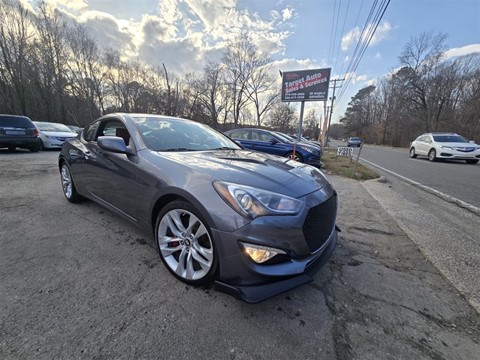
445,146
53,135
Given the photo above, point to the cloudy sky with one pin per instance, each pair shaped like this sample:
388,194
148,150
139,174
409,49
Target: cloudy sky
296,34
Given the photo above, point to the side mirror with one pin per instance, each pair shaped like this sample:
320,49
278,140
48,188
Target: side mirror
274,141
114,144
472,141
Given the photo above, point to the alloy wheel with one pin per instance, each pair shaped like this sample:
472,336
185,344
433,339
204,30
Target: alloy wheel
185,245
66,181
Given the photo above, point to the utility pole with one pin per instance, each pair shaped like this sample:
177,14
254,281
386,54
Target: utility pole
331,107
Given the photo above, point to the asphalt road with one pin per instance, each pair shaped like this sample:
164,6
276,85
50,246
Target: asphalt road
77,282
454,178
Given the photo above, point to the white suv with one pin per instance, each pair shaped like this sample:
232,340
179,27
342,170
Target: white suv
445,146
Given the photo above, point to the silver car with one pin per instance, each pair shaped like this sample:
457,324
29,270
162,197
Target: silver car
53,135
445,146
255,224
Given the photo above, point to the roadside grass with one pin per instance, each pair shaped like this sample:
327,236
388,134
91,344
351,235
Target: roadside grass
344,166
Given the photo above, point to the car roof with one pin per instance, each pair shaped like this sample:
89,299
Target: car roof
439,133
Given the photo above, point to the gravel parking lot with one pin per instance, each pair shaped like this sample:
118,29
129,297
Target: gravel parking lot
76,281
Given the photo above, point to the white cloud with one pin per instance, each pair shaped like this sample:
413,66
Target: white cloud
465,50
183,34
110,32
212,13
287,14
355,35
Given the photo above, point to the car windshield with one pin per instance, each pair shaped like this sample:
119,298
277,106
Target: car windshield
44,126
355,138
284,137
169,134
450,138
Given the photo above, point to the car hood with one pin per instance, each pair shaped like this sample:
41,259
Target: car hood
59,133
254,169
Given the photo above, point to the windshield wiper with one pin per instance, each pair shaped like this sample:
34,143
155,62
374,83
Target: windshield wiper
177,149
224,148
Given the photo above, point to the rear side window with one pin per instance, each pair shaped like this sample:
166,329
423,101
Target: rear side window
15,121
239,134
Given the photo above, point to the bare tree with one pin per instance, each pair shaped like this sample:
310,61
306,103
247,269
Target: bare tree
16,36
422,56
262,89
51,58
282,117
241,59
87,80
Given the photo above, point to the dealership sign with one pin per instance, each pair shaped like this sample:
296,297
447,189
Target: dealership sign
305,85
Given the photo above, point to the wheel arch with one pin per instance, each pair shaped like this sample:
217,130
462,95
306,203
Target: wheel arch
166,198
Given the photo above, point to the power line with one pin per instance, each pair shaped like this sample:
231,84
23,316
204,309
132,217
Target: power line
364,40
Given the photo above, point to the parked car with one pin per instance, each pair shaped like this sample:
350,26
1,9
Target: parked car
53,135
305,140
354,141
18,132
255,224
272,143
445,146
75,129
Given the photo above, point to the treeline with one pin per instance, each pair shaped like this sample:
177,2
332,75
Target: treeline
52,69
427,93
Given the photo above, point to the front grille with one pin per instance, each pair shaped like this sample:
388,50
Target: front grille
465,149
319,223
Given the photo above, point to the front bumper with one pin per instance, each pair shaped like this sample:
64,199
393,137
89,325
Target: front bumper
459,155
306,267
308,240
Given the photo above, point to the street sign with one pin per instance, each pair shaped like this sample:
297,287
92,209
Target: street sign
344,151
305,85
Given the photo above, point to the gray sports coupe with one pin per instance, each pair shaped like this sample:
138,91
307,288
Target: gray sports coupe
254,224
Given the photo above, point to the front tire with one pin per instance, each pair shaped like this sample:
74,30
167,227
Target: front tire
185,244
472,161
432,155
68,186
297,156
412,153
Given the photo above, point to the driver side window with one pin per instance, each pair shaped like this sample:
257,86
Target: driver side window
115,128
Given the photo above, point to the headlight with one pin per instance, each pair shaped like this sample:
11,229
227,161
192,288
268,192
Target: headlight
252,202
259,253
446,147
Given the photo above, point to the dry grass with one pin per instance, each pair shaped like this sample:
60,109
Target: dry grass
344,166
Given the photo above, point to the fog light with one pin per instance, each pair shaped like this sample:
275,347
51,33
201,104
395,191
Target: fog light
259,253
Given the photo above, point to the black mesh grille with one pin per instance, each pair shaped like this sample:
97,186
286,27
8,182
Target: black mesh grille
320,222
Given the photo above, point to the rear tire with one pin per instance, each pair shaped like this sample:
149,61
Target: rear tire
12,148
68,186
412,153
473,161
34,149
432,155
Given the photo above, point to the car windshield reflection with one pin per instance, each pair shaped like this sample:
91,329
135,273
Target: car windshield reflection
164,134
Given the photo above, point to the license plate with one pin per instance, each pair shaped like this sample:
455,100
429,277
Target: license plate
15,132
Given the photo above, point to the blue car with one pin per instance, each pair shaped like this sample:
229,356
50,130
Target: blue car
272,143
